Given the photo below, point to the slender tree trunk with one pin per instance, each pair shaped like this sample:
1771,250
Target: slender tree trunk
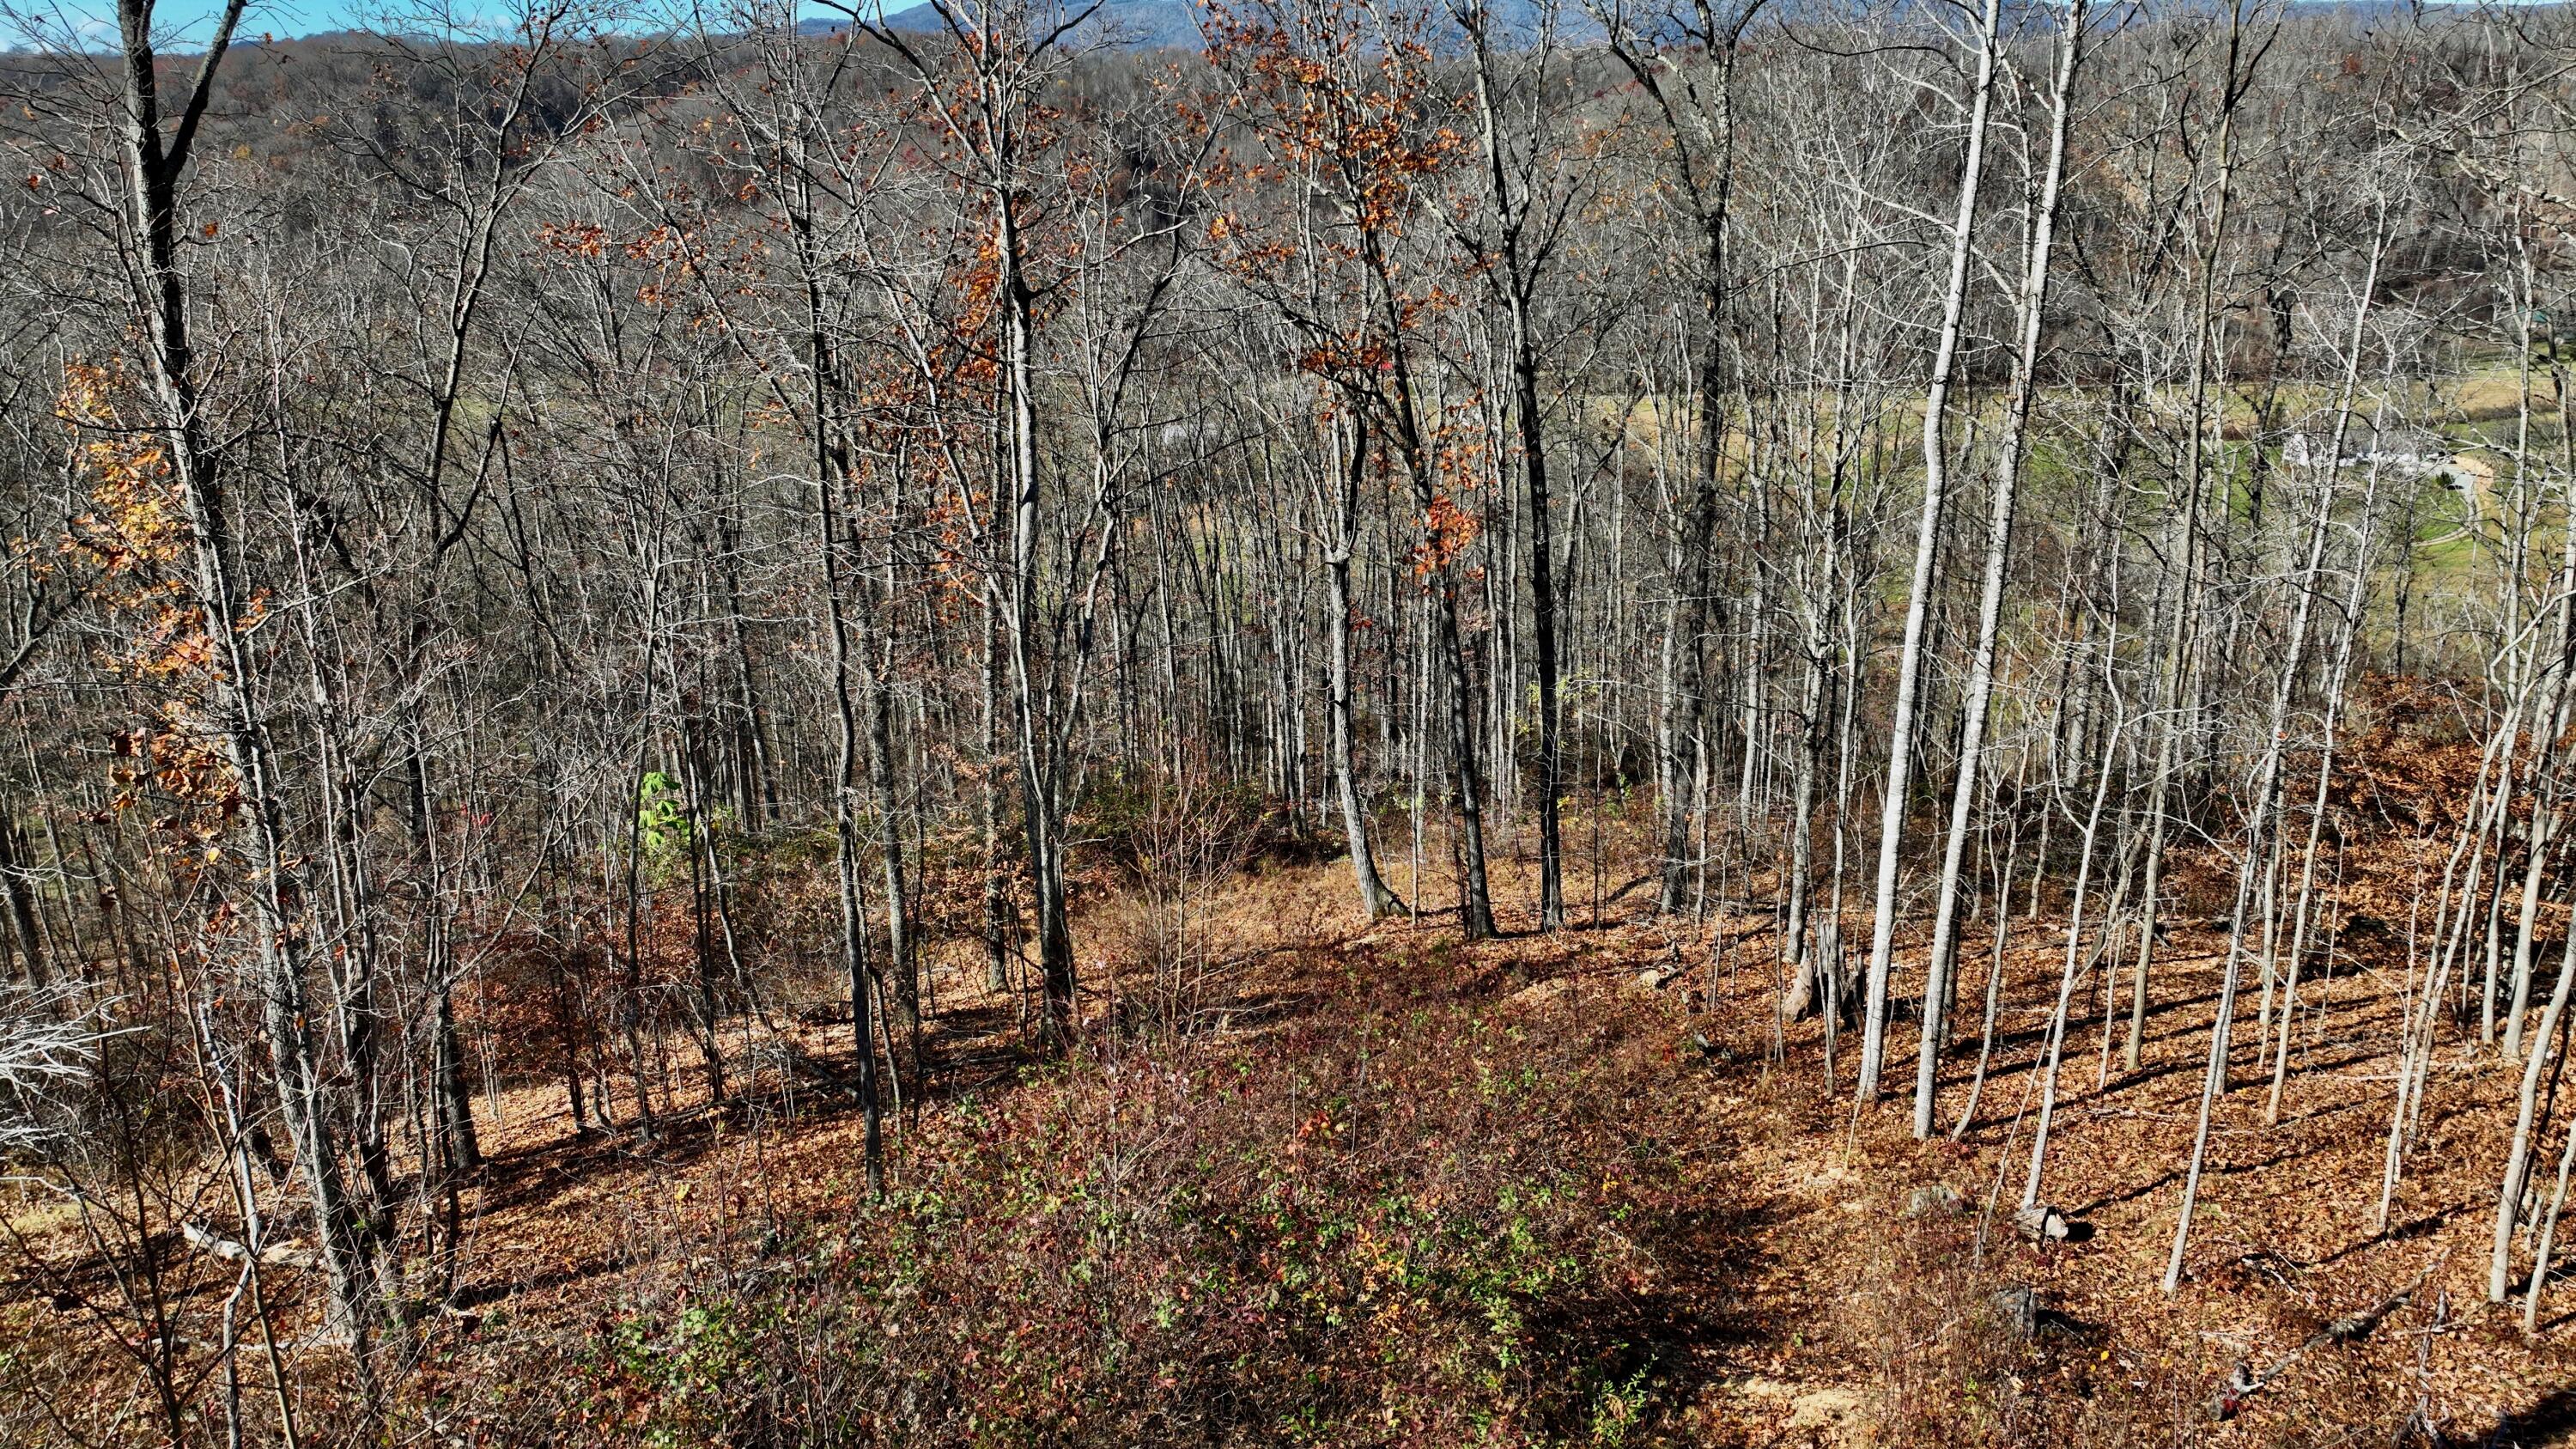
1936,486
2266,800
878,654
1039,796
846,849
153,164
2054,1050
1981,667
1375,899
2517,1163
1551,848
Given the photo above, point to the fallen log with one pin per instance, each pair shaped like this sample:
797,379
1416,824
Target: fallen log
272,1255
2243,1383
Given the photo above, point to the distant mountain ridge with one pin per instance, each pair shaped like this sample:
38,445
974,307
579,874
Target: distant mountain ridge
1173,24
1139,24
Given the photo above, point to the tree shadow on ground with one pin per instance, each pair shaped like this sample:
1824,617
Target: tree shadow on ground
1692,1326
2549,1420
2175,1174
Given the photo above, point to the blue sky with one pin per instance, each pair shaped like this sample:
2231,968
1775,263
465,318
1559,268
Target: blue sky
184,23
191,19
283,17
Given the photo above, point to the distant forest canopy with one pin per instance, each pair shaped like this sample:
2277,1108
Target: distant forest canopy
527,551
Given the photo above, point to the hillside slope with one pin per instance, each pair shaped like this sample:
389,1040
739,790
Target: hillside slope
1386,1188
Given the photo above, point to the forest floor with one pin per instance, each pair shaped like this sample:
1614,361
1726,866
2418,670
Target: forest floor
1339,1183
1719,1249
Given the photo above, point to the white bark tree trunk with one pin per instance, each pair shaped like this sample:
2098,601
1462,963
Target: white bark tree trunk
1990,602
1918,604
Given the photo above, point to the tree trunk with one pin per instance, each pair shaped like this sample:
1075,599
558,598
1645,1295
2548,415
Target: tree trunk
1936,469
1981,668
1375,899
278,915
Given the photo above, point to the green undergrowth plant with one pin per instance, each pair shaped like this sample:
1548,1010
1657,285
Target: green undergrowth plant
1322,1231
